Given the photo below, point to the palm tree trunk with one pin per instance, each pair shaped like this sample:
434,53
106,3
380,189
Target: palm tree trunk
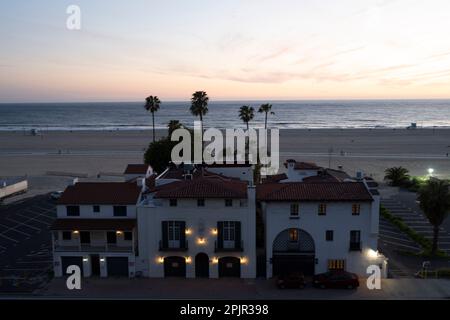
435,240
247,125
265,122
153,120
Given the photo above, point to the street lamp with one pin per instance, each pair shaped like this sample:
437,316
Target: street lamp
430,171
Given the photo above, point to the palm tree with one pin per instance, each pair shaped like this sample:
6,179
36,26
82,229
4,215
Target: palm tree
173,125
434,200
199,106
396,175
246,114
152,104
266,108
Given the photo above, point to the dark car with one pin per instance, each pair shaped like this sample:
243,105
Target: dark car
291,281
336,279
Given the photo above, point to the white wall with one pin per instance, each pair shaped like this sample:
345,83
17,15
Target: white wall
339,218
243,173
149,226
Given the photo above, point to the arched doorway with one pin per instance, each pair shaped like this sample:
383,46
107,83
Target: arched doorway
175,267
229,267
201,265
293,251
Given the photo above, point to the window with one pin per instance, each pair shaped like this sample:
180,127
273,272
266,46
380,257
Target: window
67,235
293,235
120,211
355,240
200,202
294,209
111,237
85,237
356,209
329,235
128,236
336,264
322,209
228,202
173,202
229,231
96,209
173,230
73,211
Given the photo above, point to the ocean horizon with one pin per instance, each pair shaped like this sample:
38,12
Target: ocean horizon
289,114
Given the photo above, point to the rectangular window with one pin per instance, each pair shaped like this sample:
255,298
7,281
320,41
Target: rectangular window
200,202
173,202
294,209
336,264
67,235
73,211
229,231
322,209
355,240
329,235
96,209
356,209
85,237
111,237
128,236
228,202
174,230
293,235
120,211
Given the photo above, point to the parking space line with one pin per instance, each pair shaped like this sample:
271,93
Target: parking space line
14,229
34,218
24,224
8,238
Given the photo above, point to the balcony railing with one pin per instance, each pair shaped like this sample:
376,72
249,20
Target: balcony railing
355,246
163,247
108,247
238,247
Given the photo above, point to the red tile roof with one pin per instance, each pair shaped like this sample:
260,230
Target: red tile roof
113,193
94,224
136,169
324,191
203,187
275,178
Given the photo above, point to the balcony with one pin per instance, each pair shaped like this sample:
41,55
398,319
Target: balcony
162,247
107,247
355,246
238,247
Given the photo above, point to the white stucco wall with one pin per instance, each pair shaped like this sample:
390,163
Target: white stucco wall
243,173
150,218
87,212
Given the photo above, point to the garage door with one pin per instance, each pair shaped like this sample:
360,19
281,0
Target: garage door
175,267
229,267
285,264
68,261
117,266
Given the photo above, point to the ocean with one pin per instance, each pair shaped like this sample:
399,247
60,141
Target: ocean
288,115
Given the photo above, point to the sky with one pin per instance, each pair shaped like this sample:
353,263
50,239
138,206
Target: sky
234,50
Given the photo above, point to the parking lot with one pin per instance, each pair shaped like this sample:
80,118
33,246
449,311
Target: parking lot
25,244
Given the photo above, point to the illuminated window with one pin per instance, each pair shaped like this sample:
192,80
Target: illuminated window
356,209
336,264
293,235
322,209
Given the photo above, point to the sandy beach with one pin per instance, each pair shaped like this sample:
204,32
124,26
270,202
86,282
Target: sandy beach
93,152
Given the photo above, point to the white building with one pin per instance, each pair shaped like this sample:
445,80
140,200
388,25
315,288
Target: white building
195,223
96,229
133,171
317,220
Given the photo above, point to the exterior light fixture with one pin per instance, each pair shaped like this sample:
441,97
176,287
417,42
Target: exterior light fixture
214,231
85,259
430,171
102,259
244,260
215,260
160,259
118,232
188,259
76,231
201,241
372,253
188,231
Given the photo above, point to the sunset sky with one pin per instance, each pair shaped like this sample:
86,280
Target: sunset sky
247,49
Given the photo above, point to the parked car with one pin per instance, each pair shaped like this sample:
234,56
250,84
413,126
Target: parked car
56,195
291,281
336,279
